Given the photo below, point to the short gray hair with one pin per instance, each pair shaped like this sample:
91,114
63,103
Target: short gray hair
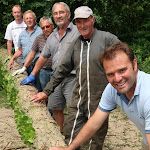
45,18
29,11
62,3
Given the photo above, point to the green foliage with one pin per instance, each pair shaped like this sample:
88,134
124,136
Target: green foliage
24,123
142,52
129,20
123,18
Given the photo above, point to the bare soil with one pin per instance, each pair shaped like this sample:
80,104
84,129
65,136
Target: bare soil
122,133
9,136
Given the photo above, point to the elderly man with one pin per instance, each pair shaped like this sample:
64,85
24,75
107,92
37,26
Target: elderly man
13,31
56,46
128,87
83,55
25,42
45,73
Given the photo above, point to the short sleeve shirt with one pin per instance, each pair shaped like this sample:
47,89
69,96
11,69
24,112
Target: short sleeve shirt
13,31
26,40
38,46
137,109
57,47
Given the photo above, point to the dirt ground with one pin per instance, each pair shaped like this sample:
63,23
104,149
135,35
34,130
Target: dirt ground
122,134
9,136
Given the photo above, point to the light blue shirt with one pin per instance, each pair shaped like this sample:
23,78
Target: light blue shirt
26,40
137,109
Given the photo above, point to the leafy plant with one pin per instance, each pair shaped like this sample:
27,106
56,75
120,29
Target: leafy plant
24,123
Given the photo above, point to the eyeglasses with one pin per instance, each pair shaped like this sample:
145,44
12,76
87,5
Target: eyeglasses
47,27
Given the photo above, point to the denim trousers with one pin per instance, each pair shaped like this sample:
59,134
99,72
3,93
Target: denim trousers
44,77
37,80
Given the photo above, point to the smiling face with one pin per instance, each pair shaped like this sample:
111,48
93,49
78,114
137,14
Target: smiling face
85,26
29,20
122,73
61,16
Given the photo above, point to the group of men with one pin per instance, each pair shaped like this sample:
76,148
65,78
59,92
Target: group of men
79,77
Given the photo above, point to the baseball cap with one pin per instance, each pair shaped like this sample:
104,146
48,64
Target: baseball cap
83,12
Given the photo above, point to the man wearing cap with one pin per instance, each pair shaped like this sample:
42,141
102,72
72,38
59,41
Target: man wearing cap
83,55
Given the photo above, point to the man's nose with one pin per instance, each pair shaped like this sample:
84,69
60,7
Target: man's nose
117,77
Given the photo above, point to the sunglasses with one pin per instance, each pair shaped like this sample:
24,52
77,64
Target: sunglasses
47,27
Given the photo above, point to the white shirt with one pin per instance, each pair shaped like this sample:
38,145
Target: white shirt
13,31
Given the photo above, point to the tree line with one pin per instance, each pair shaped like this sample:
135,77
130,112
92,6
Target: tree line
129,20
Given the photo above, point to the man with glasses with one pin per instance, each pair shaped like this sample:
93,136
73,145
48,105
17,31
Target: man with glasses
45,73
91,80
56,46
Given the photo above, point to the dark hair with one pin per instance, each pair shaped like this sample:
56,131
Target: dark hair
111,52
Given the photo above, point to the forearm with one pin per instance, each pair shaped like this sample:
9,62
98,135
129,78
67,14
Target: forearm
17,53
92,125
9,47
39,65
29,59
148,140
56,79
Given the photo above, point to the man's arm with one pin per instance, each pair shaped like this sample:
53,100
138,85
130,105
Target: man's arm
29,59
39,65
16,55
9,47
31,78
26,64
59,74
92,125
148,140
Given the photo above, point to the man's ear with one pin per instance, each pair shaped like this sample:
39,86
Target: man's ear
93,19
135,66
69,15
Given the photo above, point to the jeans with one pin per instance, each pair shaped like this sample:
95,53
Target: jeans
37,81
44,77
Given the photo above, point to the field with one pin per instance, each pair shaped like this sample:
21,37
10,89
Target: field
122,134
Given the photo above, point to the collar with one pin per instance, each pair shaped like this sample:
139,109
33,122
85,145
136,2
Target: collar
35,27
84,40
90,39
70,27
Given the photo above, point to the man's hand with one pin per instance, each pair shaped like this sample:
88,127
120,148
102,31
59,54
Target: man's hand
19,71
11,63
7,59
39,96
29,79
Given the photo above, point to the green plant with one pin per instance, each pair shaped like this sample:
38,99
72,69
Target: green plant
24,123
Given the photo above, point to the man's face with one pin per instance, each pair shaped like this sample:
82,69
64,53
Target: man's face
121,73
60,15
46,27
85,26
29,20
17,13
